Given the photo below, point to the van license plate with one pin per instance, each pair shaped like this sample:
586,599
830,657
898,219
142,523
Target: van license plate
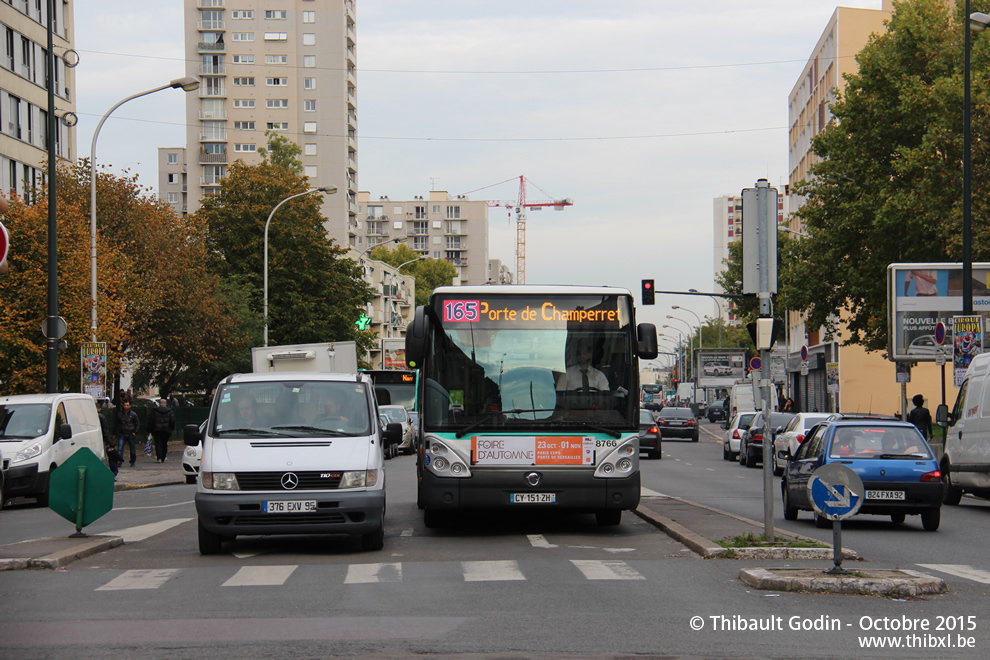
533,498
288,506
885,494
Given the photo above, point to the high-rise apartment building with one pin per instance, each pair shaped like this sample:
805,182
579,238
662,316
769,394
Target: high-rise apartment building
24,91
282,66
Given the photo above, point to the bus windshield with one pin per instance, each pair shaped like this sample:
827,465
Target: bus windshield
531,362
399,384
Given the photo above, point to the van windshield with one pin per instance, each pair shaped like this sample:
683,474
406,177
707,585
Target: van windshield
292,409
20,421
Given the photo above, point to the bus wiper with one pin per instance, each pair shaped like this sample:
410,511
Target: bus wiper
587,425
314,429
252,432
494,413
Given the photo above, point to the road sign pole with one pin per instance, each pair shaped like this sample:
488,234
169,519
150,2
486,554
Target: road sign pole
80,503
836,549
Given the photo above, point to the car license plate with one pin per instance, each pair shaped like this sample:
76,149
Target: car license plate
288,506
533,498
885,494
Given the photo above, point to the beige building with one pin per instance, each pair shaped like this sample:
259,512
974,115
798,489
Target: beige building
287,66
24,92
867,382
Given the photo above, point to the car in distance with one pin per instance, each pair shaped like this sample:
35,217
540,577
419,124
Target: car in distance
751,443
677,423
923,346
793,435
398,415
192,458
716,411
734,429
899,471
649,435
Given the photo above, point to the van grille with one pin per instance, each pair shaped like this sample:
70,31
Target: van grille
262,519
314,480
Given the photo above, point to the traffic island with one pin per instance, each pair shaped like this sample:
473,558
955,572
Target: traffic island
889,583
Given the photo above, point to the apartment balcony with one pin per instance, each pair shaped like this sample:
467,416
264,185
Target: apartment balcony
212,114
351,143
458,262
212,69
205,47
211,4
213,91
210,180
373,231
457,246
213,136
209,26
218,159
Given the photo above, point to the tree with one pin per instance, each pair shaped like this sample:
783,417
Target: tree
887,187
429,273
315,291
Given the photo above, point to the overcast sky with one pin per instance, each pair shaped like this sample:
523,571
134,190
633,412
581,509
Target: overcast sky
641,114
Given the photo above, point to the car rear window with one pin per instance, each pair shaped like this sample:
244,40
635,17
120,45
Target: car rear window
676,412
645,417
878,442
746,420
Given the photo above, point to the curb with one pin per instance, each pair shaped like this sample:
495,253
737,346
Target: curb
897,583
119,487
63,557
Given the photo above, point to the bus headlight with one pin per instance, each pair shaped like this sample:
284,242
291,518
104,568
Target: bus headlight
443,461
621,461
624,465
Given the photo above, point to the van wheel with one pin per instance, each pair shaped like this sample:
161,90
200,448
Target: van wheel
930,518
42,498
209,543
434,519
608,517
952,495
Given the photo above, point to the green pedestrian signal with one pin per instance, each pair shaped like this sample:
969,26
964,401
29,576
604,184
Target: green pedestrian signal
363,322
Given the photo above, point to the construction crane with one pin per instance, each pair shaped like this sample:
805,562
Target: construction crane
520,205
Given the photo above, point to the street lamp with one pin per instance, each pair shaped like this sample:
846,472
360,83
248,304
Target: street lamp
695,316
718,306
186,84
690,332
680,348
328,191
397,239
977,22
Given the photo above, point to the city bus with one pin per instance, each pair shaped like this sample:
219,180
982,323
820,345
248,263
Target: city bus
529,397
400,385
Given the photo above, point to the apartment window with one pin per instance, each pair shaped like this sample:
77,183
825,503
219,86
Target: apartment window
244,82
243,103
242,36
453,212
436,208
276,36
420,243
243,59
420,212
309,105
9,48
276,59
309,127
214,130
420,229
243,125
277,103
173,177
309,17
309,149
173,198
310,171
275,14
173,159
309,61
277,126
277,82
309,83
309,39
241,14
245,147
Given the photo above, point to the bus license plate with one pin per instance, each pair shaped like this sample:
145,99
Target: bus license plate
533,498
288,506
885,494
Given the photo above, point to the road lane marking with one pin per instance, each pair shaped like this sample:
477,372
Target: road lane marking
260,576
646,492
961,570
538,541
157,506
368,573
491,571
407,532
142,532
139,579
606,569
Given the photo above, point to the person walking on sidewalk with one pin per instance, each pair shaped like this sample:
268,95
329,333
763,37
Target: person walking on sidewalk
125,428
920,417
161,423
114,459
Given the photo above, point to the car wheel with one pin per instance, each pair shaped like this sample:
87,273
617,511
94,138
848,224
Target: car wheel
3,496
751,461
695,437
743,455
951,495
190,478
608,517
209,543
930,519
897,518
822,522
726,454
777,470
790,512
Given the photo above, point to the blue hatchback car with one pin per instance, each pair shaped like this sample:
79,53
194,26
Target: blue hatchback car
896,464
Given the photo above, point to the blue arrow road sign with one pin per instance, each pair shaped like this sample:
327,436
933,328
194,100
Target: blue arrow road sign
835,491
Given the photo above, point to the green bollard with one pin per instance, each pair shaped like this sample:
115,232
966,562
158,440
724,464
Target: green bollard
80,498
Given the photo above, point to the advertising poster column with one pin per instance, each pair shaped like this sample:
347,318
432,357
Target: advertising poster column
93,359
967,332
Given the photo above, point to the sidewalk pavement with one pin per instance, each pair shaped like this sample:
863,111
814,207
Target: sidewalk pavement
148,472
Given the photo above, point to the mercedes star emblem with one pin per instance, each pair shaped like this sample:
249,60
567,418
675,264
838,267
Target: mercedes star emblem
289,480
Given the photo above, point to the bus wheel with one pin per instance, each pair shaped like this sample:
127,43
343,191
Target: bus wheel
434,519
609,517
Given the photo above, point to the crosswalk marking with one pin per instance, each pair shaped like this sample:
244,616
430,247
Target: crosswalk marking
139,579
260,576
491,571
365,573
539,541
142,532
961,570
606,569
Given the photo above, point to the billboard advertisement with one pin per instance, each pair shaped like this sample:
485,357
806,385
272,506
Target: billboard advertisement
93,367
720,367
394,354
920,295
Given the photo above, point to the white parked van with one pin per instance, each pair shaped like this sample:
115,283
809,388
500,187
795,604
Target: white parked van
38,432
965,463
292,453
747,396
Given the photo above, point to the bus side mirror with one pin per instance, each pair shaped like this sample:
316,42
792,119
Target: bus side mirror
417,335
943,417
646,339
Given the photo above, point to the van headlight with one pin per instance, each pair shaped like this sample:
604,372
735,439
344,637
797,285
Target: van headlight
359,479
219,481
27,453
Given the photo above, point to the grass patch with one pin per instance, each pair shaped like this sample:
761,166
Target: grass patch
750,540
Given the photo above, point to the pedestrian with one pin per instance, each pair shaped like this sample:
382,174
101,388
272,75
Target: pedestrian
161,423
125,428
173,402
788,405
208,399
920,417
113,456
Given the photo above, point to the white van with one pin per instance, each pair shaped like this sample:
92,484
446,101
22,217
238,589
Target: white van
38,432
965,463
747,396
292,453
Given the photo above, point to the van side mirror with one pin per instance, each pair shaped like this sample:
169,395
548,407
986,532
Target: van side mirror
65,431
943,417
191,435
392,434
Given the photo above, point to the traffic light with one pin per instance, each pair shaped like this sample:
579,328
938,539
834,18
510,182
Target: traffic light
649,293
675,383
